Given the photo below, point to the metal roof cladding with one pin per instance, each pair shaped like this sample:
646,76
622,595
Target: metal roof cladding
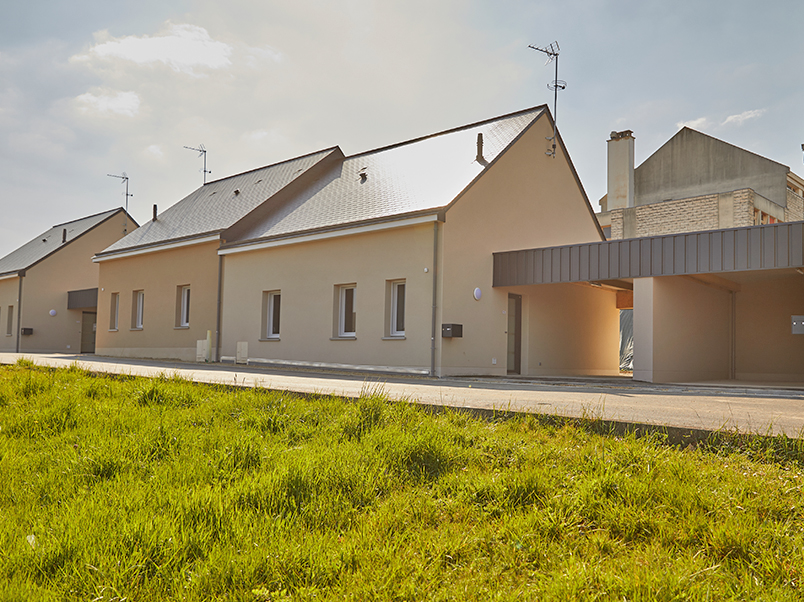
50,241
217,204
422,175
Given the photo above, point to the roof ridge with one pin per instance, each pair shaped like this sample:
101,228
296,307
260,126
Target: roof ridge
444,132
79,219
242,173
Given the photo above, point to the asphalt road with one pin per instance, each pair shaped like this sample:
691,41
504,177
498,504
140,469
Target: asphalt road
766,409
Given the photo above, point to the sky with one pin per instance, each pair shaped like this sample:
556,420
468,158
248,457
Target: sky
96,87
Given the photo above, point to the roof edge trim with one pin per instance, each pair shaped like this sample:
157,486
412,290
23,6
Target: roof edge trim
154,248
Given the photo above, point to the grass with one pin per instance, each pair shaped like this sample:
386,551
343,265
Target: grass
121,488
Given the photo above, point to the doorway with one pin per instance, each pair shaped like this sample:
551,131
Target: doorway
88,327
514,334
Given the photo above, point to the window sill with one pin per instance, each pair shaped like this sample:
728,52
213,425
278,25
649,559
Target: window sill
344,338
269,339
182,327
113,330
400,337
140,328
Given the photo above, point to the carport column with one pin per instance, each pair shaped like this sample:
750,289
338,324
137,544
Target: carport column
643,329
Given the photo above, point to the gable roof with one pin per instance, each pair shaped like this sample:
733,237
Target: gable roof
218,204
420,176
50,241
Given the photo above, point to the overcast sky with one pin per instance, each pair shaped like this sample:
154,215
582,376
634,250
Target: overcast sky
90,87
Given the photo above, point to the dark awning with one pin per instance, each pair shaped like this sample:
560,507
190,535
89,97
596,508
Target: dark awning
82,299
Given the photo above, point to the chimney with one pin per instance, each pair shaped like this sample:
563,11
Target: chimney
64,235
620,192
154,218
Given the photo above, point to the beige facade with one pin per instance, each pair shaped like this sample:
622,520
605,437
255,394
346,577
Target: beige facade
44,287
156,279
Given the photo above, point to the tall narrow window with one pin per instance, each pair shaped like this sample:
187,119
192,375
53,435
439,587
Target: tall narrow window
347,317
114,312
137,309
183,313
398,309
10,321
271,306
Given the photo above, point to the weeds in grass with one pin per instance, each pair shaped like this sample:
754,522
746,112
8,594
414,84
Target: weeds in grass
124,488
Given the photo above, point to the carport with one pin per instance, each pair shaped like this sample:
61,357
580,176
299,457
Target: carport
708,306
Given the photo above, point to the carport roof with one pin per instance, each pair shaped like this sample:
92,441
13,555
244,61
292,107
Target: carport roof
766,247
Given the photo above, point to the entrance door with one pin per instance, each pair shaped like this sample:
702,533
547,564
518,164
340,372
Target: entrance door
514,334
88,326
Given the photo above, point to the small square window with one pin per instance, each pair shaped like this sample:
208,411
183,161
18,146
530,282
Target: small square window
271,308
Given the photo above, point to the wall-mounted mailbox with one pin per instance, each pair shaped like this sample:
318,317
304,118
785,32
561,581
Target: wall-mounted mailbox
797,324
451,331
27,331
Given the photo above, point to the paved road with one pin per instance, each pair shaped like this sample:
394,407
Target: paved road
762,410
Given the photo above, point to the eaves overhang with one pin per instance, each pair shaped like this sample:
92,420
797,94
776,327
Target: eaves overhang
162,246
767,247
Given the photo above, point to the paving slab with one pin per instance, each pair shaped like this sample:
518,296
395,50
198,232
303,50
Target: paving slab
744,407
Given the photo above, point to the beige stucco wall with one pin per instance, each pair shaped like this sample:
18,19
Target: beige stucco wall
569,329
159,274
9,291
306,274
682,330
766,349
525,200
45,287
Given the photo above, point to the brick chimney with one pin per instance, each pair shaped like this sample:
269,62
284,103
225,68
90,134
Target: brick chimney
620,192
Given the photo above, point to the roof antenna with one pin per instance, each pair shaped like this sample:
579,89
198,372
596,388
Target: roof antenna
124,177
557,84
202,152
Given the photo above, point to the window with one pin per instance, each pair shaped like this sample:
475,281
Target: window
397,326
137,306
10,321
271,306
183,306
347,317
114,311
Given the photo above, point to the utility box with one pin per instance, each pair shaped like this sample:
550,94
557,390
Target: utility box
797,324
27,331
451,331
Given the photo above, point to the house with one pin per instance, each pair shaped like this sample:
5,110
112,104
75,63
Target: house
49,286
707,248
380,260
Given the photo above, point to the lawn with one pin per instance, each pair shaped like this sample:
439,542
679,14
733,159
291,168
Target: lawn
123,488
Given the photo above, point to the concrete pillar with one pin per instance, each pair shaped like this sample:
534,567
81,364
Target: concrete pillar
620,193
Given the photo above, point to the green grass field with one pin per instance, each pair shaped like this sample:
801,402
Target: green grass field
120,488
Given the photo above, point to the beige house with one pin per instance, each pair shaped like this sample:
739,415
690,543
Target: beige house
381,260
49,286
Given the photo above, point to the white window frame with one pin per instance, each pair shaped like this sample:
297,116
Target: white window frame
139,307
184,307
115,312
10,321
273,314
342,310
394,329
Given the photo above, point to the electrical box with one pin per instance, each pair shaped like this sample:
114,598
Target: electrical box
451,331
797,324
27,331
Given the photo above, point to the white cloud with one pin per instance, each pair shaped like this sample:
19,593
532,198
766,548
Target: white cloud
183,48
119,103
155,150
696,124
743,117
255,55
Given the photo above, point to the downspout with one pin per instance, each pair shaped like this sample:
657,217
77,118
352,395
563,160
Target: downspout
19,310
435,299
218,309
733,345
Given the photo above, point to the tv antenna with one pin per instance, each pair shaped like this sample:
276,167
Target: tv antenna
202,152
124,177
557,84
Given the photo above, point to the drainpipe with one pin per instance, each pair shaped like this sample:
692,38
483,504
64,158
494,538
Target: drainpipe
218,317
435,299
733,358
19,311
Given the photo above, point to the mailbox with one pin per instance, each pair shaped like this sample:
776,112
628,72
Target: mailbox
27,331
451,331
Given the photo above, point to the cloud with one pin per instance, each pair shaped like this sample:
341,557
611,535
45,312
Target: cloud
743,117
155,150
119,103
183,48
255,55
696,124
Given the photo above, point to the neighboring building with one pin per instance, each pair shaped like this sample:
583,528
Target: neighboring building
381,260
49,286
694,182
